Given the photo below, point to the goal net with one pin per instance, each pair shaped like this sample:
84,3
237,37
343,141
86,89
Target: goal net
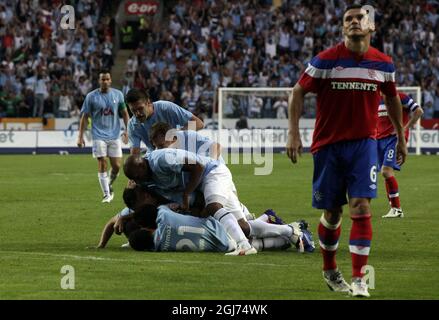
267,108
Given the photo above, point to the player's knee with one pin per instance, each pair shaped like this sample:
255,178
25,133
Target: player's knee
333,216
387,173
360,207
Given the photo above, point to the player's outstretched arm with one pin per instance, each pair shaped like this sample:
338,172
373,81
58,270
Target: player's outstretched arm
295,106
107,232
394,111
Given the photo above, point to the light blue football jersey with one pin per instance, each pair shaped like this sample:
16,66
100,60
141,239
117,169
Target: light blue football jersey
167,167
164,111
177,232
103,108
192,141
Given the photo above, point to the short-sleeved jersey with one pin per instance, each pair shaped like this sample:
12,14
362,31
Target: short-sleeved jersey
164,111
177,232
348,93
103,108
167,167
385,126
192,141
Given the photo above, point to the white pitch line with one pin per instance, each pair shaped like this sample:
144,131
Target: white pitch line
68,256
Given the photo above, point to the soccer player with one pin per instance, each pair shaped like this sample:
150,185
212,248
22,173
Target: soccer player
103,106
163,136
347,79
387,140
147,113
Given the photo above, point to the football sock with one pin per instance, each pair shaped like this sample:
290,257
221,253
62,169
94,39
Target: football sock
359,243
263,217
392,192
261,229
229,222
329,236
271,243
103,181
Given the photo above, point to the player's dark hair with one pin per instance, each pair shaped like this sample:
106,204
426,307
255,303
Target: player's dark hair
130,166
142,240
158,129
146,216
135,95
130,197
353,6
129,226
104,71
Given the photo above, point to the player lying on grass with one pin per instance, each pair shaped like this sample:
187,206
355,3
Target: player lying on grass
185,171
185,233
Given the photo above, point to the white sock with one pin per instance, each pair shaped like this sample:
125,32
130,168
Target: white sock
248,216
270,243
103,181
263,217
229,222
261,229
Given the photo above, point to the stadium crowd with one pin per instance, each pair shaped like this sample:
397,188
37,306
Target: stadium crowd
199,46
45,70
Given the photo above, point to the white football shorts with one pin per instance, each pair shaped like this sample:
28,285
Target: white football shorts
111,148
218,187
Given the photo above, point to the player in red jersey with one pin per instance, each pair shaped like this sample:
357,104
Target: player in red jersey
348,79
387,139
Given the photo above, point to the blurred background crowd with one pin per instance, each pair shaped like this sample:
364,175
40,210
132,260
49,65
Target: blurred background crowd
198,46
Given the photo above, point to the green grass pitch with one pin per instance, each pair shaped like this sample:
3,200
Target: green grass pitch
51,212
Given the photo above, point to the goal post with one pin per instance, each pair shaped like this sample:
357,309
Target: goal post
254,103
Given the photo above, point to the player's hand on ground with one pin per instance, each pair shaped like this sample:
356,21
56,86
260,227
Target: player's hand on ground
125,137
294,147
80,143
401,152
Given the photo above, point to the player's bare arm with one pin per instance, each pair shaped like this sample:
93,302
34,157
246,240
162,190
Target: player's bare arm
82,125
215,151
295,107
196,171
199,124
416,115
394,109
126,118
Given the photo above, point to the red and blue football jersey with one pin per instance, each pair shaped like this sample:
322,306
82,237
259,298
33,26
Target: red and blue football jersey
348,89
385,126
